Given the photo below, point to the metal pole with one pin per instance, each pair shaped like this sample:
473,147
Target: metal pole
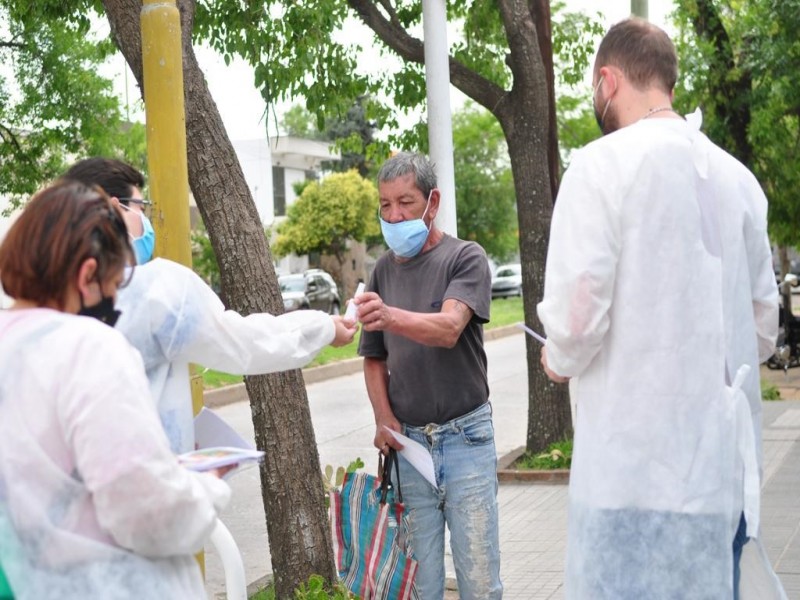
639,8
440,125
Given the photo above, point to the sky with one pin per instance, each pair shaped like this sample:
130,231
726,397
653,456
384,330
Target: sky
243,109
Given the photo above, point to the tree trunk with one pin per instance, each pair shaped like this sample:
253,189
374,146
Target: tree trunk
527,118
290,474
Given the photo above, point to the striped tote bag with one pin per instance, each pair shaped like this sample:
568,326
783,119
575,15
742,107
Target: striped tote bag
370,536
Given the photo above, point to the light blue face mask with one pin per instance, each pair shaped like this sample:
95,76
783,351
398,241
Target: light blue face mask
144,244
406,238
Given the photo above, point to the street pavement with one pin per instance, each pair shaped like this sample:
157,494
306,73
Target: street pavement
533,517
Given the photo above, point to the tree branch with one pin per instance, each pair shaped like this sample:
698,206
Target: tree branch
394,35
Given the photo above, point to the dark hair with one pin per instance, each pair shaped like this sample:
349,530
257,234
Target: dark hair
643,52
61,227
117,178
404,163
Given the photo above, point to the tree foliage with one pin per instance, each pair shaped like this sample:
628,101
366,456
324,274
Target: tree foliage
344,206
485,198
54,106
740,65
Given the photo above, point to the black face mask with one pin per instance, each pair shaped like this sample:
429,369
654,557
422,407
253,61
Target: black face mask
102,311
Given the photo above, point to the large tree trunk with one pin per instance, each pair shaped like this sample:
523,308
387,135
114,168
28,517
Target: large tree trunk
528,119
290,474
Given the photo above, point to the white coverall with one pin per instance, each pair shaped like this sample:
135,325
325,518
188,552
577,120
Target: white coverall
633,307
173,318
93,503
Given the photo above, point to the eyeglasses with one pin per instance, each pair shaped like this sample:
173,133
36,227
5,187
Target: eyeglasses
143,202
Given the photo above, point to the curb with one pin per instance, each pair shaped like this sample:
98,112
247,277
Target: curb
506,474
237,393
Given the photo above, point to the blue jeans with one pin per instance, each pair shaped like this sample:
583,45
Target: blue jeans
465,464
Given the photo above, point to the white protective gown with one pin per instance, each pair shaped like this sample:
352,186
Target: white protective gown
632,306
750,297
173,318
93,503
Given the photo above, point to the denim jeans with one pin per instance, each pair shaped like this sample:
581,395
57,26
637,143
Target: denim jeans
465,464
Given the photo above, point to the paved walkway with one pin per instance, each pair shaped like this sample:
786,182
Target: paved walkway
532,516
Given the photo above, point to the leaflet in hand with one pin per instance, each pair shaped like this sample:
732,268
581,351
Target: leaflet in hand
416,454
220,456
218,444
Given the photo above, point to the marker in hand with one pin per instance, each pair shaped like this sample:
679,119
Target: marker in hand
351,314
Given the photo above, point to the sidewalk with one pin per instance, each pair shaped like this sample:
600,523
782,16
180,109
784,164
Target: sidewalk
532,516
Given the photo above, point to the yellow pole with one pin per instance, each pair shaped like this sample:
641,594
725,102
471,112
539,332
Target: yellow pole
162,61
166,129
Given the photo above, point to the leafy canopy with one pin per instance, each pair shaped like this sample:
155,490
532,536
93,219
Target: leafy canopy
54,106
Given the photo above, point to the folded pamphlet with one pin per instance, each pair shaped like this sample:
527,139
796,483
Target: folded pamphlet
213,458
417,456
218,444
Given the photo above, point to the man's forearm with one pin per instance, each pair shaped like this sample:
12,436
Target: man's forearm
376,377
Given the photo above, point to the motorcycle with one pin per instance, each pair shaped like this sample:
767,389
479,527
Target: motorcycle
787,348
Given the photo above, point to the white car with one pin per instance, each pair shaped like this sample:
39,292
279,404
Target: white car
507,281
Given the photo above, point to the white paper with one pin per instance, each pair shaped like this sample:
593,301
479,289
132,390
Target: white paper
539,338
351,313
211,431
417,456
212,458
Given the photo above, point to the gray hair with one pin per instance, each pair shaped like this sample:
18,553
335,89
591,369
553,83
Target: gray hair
404,163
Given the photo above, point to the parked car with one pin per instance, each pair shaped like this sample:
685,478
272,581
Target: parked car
507,281
313,289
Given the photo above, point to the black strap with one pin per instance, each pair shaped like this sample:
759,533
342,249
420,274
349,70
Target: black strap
385,467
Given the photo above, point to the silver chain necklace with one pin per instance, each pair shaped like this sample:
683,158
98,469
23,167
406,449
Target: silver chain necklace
653,111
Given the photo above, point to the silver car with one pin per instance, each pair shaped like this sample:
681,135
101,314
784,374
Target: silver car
507,281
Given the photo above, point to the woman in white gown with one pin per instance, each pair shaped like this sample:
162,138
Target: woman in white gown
93,504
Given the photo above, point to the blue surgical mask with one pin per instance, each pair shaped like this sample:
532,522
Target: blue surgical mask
406,238
144,244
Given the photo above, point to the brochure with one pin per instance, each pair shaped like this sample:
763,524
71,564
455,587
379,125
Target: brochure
218,444
211,430
221,456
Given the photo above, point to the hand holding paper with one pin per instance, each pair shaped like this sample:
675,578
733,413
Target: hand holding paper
416,454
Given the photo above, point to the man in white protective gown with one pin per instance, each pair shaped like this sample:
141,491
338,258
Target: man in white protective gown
172,317
662,314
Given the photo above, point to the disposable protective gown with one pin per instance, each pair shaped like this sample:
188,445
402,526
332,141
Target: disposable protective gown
173,318
93,503
632,308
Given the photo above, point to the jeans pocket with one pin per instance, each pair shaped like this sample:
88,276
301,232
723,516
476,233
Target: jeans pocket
478,433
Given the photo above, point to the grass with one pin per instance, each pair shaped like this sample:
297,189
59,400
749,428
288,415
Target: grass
769,391
504,311
557,456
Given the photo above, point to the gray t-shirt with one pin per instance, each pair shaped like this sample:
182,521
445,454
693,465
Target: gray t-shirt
429,384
